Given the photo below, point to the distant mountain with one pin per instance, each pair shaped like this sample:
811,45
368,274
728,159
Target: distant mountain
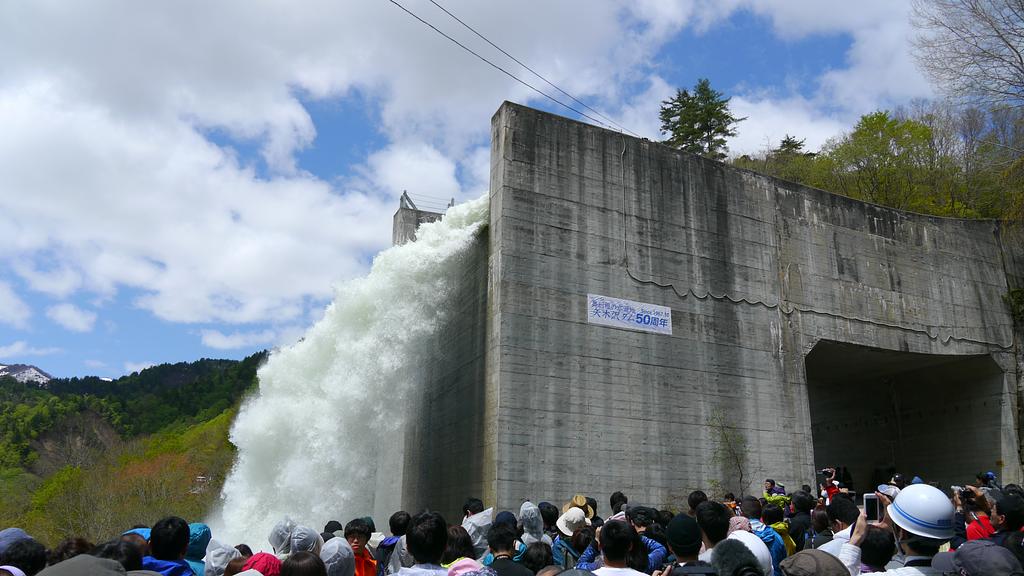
25,373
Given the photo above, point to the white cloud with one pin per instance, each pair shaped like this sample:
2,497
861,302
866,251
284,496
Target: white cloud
769,121
116,185
96,364
235,340
130,367
13,310
20,349
72,317
59,282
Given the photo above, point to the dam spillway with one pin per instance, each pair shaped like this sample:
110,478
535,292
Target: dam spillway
807,329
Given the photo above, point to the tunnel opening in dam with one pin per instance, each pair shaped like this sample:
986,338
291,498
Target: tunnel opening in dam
876,412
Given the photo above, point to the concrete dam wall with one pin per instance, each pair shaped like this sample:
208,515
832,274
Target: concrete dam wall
807,329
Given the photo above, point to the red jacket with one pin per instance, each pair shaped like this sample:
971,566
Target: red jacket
365,564
980,528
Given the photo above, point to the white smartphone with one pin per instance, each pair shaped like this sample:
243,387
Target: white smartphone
871,507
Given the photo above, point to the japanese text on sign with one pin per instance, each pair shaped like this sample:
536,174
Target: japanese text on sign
617,313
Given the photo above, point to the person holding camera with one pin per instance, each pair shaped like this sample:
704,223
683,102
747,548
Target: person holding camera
831,486
971,520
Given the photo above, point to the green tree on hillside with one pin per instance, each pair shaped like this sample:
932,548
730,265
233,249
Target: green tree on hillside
698,122
884,160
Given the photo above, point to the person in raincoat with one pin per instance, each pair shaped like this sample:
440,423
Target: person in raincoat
199,537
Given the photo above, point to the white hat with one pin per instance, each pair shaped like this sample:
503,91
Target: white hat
572,520
923,510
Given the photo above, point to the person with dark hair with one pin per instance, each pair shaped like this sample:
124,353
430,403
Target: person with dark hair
751,508
801,505
399,523
584,538
733,558
664,517
26,554
426,540
876,550
140,541
168,543
537,556
303,564
713,520
695,499
549,512
501,540
773,489
1007,516
657,533
125,553
617,540
729,499
472,506
244,550
69,548
476,520
387,561
617,501
333,526
842,513
642,519
822,528
357,533
460,545
684,539
593,506
772,516
235,566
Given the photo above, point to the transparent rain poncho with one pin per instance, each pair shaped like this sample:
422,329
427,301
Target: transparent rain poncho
533,524
217,557
306,539
477,525
280,536
338,557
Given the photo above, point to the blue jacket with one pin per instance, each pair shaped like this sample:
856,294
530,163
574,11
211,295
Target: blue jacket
167,567
563,553
656,554
772,540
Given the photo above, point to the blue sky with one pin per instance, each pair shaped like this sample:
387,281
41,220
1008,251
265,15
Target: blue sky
172,192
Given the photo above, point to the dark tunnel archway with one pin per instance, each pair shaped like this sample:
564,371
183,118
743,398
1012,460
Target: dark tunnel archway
877,411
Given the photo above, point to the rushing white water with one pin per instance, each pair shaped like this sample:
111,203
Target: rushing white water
322,439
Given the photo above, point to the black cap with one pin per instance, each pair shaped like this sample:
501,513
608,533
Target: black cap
683,535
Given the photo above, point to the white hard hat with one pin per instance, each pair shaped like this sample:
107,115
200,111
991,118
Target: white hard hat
923,510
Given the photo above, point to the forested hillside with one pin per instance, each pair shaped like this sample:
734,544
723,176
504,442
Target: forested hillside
147,444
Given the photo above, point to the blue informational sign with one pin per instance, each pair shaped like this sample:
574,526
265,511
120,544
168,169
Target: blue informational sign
618,313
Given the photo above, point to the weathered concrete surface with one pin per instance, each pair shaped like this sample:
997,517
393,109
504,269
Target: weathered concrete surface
530,401
757,271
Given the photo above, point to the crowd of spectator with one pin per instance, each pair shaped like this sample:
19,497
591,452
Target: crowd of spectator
920,530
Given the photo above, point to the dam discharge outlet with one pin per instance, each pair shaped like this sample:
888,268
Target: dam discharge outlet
323,437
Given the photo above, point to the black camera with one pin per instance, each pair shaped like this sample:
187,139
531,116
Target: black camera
965,493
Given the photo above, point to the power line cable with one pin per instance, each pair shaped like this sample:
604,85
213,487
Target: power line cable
532,71
502,70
